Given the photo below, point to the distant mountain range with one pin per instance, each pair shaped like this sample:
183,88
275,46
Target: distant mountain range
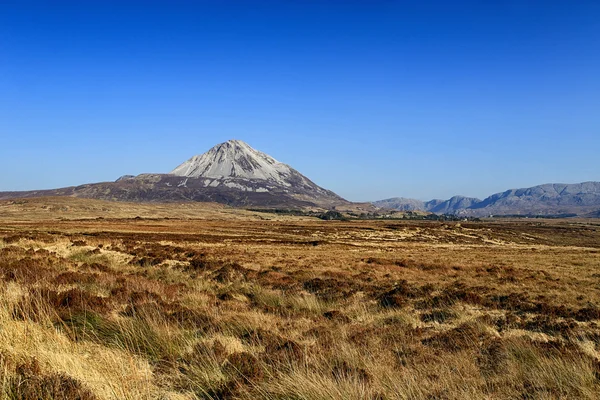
554,199
235,174
231,173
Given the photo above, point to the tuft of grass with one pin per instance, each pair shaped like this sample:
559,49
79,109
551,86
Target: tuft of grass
89,257
553,374
28,382
280,302
135,335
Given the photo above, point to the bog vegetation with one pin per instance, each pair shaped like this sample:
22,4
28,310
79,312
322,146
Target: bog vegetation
124,308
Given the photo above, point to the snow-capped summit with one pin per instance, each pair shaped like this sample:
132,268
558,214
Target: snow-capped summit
235,159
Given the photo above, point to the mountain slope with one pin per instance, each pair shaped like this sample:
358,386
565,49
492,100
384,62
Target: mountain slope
548,199
450,206
230,173
437,206
556,198
593,214
401,204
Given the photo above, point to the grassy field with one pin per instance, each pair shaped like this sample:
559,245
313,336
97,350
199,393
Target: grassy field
104,300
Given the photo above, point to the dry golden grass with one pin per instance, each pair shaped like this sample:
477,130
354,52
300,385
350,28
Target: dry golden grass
69,208
227,304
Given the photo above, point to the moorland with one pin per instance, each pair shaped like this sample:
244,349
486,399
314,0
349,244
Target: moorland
107,300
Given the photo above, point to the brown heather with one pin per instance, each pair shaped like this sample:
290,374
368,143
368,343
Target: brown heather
205,302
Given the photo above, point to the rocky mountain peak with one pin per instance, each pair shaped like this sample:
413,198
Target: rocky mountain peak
235,165
235,159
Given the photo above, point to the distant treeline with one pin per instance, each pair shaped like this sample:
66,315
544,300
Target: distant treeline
338,216
328,215
550,216
282,211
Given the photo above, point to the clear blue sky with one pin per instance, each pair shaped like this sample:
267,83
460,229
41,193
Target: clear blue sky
371,99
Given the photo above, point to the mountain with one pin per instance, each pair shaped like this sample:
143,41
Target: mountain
401,204
452,205
556,198
550,199
234,164
231,173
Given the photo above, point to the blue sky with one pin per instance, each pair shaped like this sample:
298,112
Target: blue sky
371,99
